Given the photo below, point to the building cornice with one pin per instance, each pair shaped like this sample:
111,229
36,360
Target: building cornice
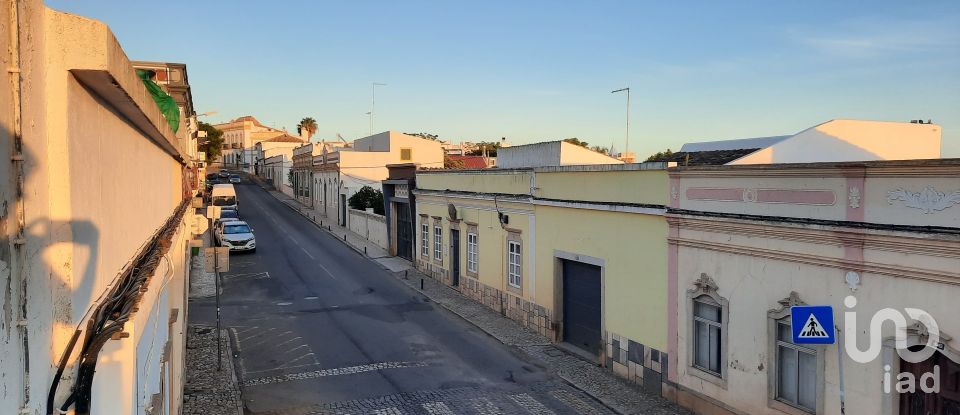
943,230
939,247
838,263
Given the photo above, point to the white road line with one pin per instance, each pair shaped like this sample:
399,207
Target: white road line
284,367
267,339
288,341
298,359
296,348
531,405
306,252
437,408
350,370
257,335
484,406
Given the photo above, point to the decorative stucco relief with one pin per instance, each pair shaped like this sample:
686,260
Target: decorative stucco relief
929,200
854,197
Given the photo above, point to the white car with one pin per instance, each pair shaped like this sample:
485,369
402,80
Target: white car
236,235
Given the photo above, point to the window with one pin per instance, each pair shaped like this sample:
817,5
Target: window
472,255
796,370
707,329
424,239
707,341
513,264
406,154
437,243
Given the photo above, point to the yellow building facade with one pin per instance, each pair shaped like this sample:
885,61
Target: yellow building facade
576,253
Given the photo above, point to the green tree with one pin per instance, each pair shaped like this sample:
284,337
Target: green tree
601,150
575,140
367,197
426,136
309,125
661,156
489,147
213,143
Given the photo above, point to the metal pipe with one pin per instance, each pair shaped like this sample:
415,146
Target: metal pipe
19,274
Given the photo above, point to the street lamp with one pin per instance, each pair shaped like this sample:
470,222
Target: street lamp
373,103
627,144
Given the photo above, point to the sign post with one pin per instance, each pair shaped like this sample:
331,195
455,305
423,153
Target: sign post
217,258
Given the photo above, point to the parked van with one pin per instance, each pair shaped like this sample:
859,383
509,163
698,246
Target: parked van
224,195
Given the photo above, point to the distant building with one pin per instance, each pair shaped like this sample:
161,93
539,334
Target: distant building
240,136
340,171
550,153
832,141
282,144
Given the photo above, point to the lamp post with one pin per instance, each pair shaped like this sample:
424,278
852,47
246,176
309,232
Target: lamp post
627,144
373,103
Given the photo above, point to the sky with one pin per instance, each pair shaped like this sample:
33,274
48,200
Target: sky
543,70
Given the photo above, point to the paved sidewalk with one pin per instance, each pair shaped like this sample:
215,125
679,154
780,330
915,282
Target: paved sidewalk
601,384
207,390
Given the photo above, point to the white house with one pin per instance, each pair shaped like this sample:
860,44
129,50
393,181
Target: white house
550,153
339,172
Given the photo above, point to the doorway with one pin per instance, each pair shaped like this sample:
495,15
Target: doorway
455,257
582,306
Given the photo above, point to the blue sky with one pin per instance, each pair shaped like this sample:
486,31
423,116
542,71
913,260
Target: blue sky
538,70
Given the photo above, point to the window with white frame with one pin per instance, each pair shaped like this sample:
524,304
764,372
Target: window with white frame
424,239
707,335
796,367
437,242
472,253
513,264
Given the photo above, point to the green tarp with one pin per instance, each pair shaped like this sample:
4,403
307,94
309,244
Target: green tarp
168,107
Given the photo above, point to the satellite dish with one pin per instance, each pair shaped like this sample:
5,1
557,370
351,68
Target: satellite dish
452,211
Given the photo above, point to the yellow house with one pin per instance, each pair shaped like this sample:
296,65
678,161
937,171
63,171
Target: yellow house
576,253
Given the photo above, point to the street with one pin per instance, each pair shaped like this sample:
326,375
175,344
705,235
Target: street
318,328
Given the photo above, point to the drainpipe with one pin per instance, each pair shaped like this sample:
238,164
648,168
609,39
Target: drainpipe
19,271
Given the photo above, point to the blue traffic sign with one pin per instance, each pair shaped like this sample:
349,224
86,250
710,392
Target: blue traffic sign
812,324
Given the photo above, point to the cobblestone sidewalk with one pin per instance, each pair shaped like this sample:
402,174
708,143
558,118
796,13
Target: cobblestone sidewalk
209,391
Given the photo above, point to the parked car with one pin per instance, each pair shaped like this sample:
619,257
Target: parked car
218,228
238,236
224,174
235,178
226,215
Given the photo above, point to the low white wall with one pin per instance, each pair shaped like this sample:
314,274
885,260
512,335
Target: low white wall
369,225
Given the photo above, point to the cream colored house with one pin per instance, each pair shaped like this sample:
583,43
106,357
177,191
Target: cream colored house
101,223
240,137
576,253
748,242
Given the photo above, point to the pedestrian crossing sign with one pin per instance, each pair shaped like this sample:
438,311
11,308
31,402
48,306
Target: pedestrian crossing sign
812,324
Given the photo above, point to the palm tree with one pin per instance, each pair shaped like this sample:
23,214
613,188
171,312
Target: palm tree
309,125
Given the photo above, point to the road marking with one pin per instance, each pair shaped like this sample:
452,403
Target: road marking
296,348
288,341
306,252
284,303
283,367
326,270
310,298
350,370
267,339
299,358
437,408
531,405
257,334
484,406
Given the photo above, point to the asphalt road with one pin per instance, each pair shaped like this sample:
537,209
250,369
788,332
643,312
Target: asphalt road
318,328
